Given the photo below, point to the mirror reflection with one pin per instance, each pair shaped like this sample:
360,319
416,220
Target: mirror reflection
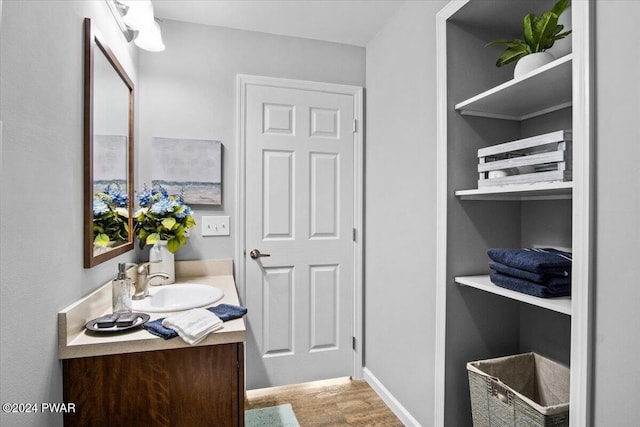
108,152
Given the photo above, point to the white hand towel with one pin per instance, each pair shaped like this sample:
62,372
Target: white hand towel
193,325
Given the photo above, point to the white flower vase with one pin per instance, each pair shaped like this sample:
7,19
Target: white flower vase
160,252
528,63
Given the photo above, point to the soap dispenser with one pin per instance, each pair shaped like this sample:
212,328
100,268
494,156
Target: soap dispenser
122,290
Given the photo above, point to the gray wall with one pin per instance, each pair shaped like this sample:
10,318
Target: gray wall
400,207
189,91
41,269
617,275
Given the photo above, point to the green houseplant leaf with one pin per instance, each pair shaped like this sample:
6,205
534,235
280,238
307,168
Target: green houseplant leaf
175,243
169,223
153,238
516,49
101,240
560,6
528,24
543,31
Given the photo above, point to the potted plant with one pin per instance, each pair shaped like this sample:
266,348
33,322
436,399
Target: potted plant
162,221
539,34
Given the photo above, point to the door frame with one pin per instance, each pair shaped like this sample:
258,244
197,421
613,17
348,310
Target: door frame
357,92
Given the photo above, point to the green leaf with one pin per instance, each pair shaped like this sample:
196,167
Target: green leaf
503,41
101,240
512,55
173,245
168,223
528,24
562,35
543,32
560,6
153,238
190,222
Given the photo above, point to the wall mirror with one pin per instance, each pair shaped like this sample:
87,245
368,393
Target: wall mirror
108,152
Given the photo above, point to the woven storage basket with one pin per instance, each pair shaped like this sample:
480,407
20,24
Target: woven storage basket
525,390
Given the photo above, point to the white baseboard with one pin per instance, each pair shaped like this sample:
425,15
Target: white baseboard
395,406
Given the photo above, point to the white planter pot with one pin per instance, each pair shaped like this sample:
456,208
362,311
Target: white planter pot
563,47
159,252
530,62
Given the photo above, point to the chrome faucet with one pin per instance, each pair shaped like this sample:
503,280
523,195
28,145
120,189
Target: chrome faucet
142,284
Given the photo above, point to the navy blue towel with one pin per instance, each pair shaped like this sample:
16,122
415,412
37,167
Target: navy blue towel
224,312
537,260
155,327
228,312
561,276
531,288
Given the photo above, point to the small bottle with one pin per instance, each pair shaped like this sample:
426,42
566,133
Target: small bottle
122,290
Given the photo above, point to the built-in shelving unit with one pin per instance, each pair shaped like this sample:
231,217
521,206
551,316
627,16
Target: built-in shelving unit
481,106
482,282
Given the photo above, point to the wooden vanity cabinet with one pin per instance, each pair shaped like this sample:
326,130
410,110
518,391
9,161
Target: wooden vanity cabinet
194,386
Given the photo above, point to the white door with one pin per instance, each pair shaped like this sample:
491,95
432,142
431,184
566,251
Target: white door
299,204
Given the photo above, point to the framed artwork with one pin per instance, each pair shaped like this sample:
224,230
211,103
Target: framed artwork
190,166
110,162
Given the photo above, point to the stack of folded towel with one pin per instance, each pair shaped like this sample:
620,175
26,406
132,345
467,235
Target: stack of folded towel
541,272
194,325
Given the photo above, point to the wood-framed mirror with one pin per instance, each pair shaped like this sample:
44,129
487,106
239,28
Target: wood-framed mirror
108,152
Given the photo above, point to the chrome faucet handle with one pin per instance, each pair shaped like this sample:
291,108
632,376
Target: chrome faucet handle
144,267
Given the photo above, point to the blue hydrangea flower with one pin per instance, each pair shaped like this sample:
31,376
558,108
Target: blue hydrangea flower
100,207
117,197
144,197
162,206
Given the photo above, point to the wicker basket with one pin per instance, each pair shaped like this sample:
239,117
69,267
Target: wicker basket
525,390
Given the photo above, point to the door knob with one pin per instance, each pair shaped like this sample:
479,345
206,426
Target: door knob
255,254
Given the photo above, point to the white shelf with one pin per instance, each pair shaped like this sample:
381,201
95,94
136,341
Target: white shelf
560,304
519,192
539,92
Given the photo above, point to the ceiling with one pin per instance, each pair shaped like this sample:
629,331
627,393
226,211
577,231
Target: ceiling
353,22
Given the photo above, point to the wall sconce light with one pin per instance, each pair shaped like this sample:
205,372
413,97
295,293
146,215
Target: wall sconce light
137,22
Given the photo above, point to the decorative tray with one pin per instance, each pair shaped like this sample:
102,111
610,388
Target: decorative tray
140,320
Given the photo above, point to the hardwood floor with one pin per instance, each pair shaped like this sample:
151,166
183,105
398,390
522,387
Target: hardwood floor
335,402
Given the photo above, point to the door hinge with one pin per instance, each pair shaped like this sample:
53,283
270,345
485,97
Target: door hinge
353,342
355,126
355,235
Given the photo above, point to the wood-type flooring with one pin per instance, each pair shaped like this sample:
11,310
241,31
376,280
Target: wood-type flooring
335,402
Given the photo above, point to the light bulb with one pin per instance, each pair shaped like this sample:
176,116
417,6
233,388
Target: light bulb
139,15
149,38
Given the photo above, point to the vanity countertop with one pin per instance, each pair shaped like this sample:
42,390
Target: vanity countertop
75,341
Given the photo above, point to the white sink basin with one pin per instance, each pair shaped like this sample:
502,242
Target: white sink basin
176,297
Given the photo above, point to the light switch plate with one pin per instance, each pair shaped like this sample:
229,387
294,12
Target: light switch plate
215,225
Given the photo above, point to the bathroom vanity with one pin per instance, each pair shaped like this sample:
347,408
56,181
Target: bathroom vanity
135,378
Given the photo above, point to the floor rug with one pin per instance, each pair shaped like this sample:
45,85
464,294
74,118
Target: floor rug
272,416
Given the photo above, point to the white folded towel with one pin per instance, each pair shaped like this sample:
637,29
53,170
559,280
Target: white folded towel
193,325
